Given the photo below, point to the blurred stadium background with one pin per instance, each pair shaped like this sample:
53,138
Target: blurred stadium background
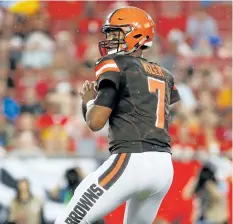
47,50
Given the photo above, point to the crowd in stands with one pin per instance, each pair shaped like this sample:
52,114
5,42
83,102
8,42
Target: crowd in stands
46,55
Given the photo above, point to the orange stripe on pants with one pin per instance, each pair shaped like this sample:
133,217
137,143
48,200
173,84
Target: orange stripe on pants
109,177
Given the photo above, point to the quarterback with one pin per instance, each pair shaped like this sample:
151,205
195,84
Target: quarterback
134,95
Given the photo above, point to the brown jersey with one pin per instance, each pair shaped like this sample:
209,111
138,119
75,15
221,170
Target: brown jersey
139,121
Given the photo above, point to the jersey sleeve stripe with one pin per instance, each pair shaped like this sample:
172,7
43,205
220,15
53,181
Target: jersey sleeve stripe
109,61
107,68
110,65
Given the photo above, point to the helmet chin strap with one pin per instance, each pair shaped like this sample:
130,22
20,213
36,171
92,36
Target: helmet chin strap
139,44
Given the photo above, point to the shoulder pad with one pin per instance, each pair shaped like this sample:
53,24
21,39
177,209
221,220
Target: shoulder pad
106,58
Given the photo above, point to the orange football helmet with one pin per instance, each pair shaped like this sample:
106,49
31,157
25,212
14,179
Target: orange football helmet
138,29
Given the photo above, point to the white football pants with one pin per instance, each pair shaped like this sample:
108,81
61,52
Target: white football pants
141,179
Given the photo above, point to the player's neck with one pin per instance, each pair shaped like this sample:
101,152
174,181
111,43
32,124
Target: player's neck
137,53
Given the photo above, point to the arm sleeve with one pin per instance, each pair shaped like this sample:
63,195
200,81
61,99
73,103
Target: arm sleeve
107,70
107,95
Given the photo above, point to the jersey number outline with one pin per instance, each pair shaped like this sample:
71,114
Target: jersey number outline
154,85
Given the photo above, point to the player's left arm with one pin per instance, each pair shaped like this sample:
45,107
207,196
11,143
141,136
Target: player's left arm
98,106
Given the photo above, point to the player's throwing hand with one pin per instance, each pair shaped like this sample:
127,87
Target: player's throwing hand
88,91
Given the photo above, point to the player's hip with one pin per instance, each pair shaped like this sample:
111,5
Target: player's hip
149,171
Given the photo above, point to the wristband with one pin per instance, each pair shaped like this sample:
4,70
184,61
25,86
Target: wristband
90,103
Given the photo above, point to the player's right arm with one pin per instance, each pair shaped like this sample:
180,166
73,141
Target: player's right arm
107,86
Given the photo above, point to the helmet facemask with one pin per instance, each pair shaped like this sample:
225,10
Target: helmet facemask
115,45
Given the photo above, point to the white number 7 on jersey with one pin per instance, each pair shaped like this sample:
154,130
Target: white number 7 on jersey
156,84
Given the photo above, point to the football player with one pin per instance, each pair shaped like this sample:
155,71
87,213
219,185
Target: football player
134,95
